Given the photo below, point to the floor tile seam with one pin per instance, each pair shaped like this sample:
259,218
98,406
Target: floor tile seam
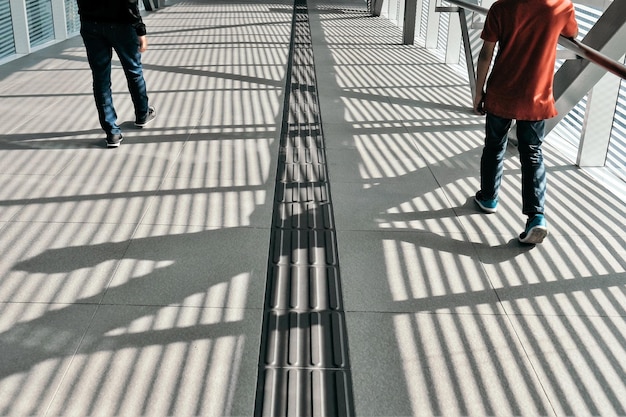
197,226
13,218
319,368
44,109
97,304
200,226
529,354
306,368
24,203
299,310
424,231
57,222
162,190
460,213
153,200
436,312
73,355
348,312
450,312
182,306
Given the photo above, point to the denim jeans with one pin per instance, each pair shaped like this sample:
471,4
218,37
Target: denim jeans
100,40
530,135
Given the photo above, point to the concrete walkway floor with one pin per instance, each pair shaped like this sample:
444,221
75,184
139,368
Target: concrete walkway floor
132,280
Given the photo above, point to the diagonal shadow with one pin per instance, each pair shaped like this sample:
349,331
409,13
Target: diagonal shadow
163,286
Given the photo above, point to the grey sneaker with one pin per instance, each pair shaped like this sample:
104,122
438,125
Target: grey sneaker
113,141
149,117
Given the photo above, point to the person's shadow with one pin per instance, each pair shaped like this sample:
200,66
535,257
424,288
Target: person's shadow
190,268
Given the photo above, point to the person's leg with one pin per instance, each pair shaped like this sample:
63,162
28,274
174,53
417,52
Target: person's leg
99,54
492,160
126,44
530,138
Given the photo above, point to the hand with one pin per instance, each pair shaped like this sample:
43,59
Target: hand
143,43
479,103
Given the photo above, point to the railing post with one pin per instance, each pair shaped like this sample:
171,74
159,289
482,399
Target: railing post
453,46
408,30
392,11
576,77
454,39
599,117
147,4
374,7
467,46
20,26
432,26
59,19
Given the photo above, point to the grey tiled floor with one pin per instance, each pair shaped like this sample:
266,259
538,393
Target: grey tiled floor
132,280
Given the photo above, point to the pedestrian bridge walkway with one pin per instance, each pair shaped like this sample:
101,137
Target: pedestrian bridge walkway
293,235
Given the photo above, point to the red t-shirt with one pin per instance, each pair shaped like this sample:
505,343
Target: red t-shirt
527,31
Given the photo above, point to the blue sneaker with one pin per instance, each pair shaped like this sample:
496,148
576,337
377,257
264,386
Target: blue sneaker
536,230
487,206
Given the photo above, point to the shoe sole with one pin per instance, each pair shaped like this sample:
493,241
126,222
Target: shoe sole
535,235
114,144
146,123
485,209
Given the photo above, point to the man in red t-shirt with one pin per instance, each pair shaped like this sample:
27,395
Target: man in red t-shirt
520,88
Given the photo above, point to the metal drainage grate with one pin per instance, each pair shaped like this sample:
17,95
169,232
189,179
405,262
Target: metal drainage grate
304,368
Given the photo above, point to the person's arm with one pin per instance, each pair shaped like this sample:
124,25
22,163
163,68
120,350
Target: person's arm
482,69
143,43
571,28
134,15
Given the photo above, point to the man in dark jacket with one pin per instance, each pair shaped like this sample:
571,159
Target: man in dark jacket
108,25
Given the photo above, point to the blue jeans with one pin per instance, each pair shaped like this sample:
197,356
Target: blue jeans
530,136
100,40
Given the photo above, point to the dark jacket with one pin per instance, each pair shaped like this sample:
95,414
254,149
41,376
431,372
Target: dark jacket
112,11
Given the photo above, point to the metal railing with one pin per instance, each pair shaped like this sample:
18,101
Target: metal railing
579,48
152,5
582,66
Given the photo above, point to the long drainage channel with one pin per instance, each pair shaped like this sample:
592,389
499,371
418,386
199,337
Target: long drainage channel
304,368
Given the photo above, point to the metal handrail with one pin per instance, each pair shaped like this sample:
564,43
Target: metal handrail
573,45
470,6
